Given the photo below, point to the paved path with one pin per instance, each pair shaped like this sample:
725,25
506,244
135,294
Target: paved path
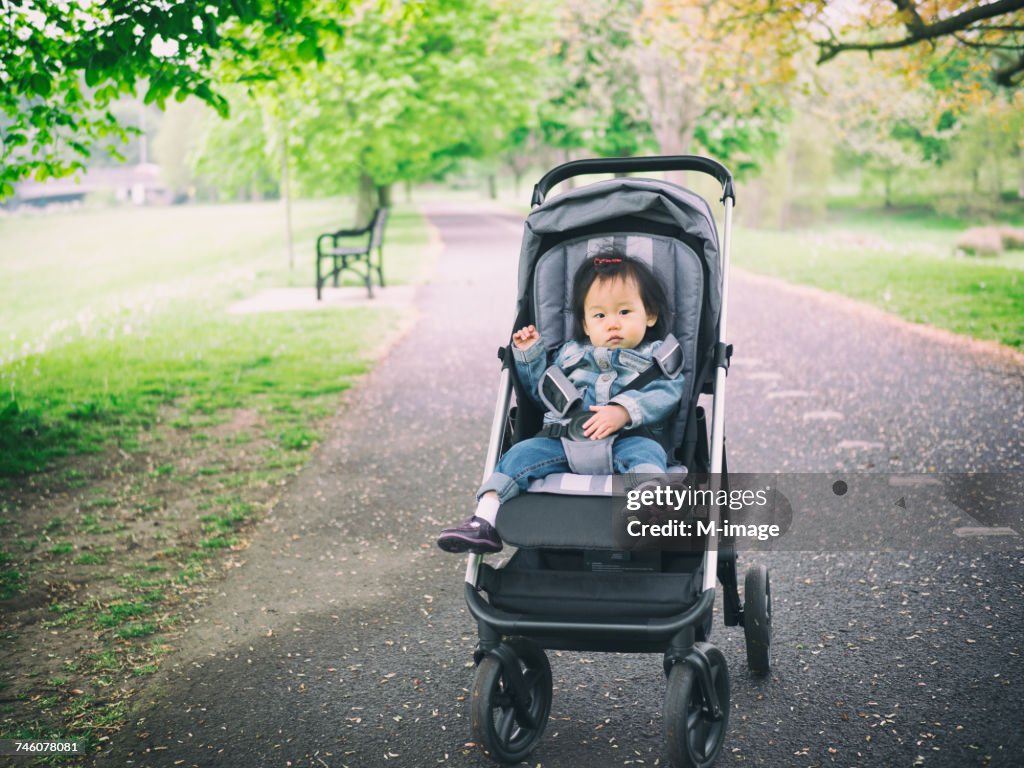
343,640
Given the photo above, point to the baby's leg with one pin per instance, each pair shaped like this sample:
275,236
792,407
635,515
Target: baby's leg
523,462
643,460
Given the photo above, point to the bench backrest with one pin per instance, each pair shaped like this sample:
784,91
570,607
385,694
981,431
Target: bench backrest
380,217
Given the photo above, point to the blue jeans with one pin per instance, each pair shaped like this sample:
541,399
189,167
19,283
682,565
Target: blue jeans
543,456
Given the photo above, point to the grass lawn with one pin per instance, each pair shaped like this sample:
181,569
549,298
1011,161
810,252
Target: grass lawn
901,264
90,271
109,314
144,430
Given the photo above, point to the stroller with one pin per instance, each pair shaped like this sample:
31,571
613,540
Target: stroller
570,585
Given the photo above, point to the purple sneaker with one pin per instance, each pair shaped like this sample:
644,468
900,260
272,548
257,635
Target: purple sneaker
474,535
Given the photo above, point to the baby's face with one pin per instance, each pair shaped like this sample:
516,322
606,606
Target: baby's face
614,314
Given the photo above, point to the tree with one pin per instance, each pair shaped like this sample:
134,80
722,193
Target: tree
995,28
988,153
642,76
412,89
594,103
880,126
708,70
236,156
63,63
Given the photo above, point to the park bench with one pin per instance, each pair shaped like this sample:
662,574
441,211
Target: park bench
352,250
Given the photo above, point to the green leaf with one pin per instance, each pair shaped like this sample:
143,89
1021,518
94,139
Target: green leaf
41,84
220,104
244,9
203,92
308,49
124,40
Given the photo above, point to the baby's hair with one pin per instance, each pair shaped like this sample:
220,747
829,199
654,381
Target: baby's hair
610,263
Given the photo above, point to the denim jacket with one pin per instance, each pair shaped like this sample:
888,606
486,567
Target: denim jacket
600,374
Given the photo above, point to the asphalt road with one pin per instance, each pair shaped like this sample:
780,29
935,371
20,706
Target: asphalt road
344,641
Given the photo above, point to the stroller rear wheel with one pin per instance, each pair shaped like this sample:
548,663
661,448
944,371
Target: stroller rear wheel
757,619
694,735
507,731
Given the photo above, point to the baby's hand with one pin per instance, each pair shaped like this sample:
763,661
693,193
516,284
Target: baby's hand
607,420
525,338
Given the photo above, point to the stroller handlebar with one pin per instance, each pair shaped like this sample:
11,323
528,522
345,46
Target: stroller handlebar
634,165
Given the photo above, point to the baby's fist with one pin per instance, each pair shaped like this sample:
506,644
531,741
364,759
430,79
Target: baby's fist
526,337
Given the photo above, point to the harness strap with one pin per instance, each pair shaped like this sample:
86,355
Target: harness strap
668,363
560,395
563,429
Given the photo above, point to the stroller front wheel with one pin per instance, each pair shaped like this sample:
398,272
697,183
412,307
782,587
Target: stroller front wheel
507,729
694,735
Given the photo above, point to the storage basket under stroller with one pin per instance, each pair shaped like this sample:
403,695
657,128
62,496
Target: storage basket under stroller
570,584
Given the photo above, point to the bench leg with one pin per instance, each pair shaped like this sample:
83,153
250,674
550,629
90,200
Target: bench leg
380,265
319,280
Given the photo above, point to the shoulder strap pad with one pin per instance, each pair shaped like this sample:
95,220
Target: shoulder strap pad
558,394
669,357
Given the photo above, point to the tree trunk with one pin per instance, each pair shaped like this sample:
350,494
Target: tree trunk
384,196
286,198
998,169
676,141
366,200
887,175
786,216
669,82
492,186
570,183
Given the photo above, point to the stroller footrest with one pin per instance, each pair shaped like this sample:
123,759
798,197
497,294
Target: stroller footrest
533,520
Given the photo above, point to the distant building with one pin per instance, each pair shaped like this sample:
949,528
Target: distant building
136,184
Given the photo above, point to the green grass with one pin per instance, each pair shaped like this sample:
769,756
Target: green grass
119,612
90,558
12,580
76,398
902,264
62,274
88,272
153,286
131,631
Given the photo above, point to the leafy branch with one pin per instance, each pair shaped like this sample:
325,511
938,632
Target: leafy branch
955,25
63,64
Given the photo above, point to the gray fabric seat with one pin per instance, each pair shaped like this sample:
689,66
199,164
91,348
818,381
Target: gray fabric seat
677,268
555,512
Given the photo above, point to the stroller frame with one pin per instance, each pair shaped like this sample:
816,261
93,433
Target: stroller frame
513,674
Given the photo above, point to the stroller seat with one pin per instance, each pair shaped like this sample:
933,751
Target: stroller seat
667,239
